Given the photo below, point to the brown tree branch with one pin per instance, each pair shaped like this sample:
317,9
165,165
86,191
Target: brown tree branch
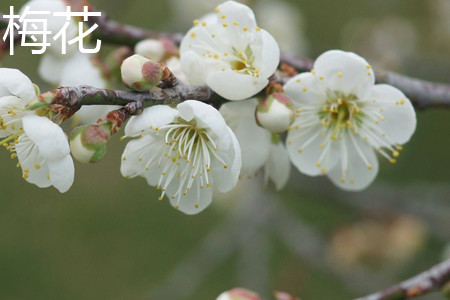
434,279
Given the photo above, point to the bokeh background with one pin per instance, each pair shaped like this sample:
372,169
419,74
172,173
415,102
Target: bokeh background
109,238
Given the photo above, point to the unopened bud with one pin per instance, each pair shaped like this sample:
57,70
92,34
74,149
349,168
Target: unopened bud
239,294
88,142
275,113
152,49
140,73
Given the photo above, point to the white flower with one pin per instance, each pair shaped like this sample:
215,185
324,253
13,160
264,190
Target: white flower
44,154
260,148
343,118
16,91
229,53
183,152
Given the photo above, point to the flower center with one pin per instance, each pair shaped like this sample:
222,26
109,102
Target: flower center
243,62
187,157
340,112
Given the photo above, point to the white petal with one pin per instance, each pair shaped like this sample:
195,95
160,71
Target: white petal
17,84
278,166
356,173
205,116
29,156
306,89
154,116
51,67
62,173
270,54
79,70
225,179
254,140
195,200
48,137
345,72
234,111
234,11
306,151
400,118
141,158
234,86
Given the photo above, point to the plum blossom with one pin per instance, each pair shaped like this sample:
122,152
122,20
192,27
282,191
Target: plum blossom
260,148
344,119
44,154
184,152
229,53
16,91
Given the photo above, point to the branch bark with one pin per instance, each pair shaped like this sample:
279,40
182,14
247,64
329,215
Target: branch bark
431,280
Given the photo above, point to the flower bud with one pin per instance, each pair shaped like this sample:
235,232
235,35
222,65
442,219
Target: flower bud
140,74
152,49
239,294
275,113
88,142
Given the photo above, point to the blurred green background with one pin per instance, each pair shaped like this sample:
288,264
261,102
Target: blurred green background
109,238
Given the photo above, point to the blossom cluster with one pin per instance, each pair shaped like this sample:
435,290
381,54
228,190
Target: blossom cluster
330,121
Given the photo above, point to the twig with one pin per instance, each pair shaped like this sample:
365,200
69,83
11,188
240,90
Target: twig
431,280
75,97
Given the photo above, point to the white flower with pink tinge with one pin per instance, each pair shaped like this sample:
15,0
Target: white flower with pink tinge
184,152
229,53
344,118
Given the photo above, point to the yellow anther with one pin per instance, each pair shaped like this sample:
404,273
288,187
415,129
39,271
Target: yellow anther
37,166
216,56
193,35
176,207
258,29
392,161
395,153
323,171
159,198
235,23
313,71
343,180
196,22
223,16
352,180
217,10
368,67
305,89
298,80
203,24
339,74
225,166
225,25
245,28
196,205
318,164
25,175
124,158
14,155
370,167
300,150
399,148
